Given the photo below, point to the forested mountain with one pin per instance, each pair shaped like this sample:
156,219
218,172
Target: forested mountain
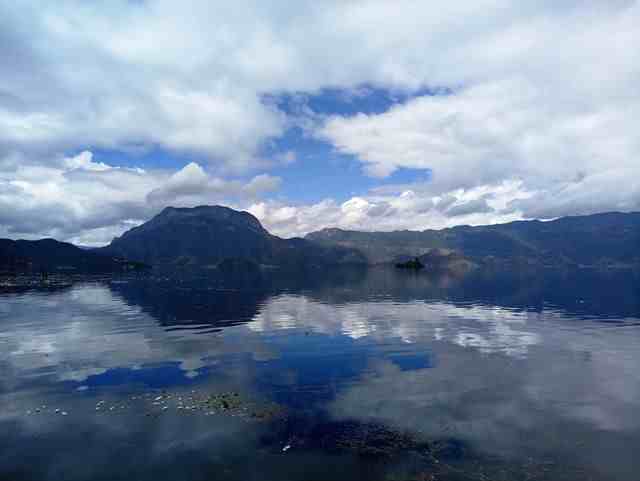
599,239
215,236
51,256
206,235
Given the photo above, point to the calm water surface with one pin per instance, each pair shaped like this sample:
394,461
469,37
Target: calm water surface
364,375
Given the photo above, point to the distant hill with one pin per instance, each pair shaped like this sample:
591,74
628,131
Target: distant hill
235,243
207,235
52,256
609,239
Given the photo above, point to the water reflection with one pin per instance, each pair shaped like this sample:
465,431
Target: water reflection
530,376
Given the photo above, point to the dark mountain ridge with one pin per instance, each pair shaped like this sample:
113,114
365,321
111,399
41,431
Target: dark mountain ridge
231,241
51,256
207,235
606,239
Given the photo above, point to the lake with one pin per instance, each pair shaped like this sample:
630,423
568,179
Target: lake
355,374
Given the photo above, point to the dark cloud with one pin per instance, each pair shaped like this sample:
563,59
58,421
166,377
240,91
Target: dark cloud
478,206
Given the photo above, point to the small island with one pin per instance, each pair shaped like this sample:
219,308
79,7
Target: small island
412,264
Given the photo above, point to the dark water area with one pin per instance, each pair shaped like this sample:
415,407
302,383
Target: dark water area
371,374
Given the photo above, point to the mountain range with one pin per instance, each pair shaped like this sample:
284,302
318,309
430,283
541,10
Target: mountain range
225,239
49,256
205,236
607,239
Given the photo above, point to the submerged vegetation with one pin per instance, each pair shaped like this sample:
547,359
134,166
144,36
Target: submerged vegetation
394,453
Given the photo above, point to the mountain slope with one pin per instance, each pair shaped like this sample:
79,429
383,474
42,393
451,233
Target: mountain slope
206,235
49,255
599,239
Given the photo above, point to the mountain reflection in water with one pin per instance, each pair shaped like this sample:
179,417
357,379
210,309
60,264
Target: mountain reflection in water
375,374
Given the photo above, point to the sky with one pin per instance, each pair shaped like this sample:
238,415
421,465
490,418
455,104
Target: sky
358,114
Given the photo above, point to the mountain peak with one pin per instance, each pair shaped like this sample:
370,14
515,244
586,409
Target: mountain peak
197,209
208,213
205,235
202,210
206,232
326,233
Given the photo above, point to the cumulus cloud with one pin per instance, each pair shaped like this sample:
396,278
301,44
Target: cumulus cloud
130,76
617,189
570,156
84,161
475,206
547,100
192,78
79,199
192,186
542,95
388,209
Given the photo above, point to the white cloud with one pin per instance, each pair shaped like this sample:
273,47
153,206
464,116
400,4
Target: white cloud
90,202
410,208
84,160
542,93
192,186
191,77
572,156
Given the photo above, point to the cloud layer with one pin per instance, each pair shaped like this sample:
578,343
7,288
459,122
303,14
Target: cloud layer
90,202
538,95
